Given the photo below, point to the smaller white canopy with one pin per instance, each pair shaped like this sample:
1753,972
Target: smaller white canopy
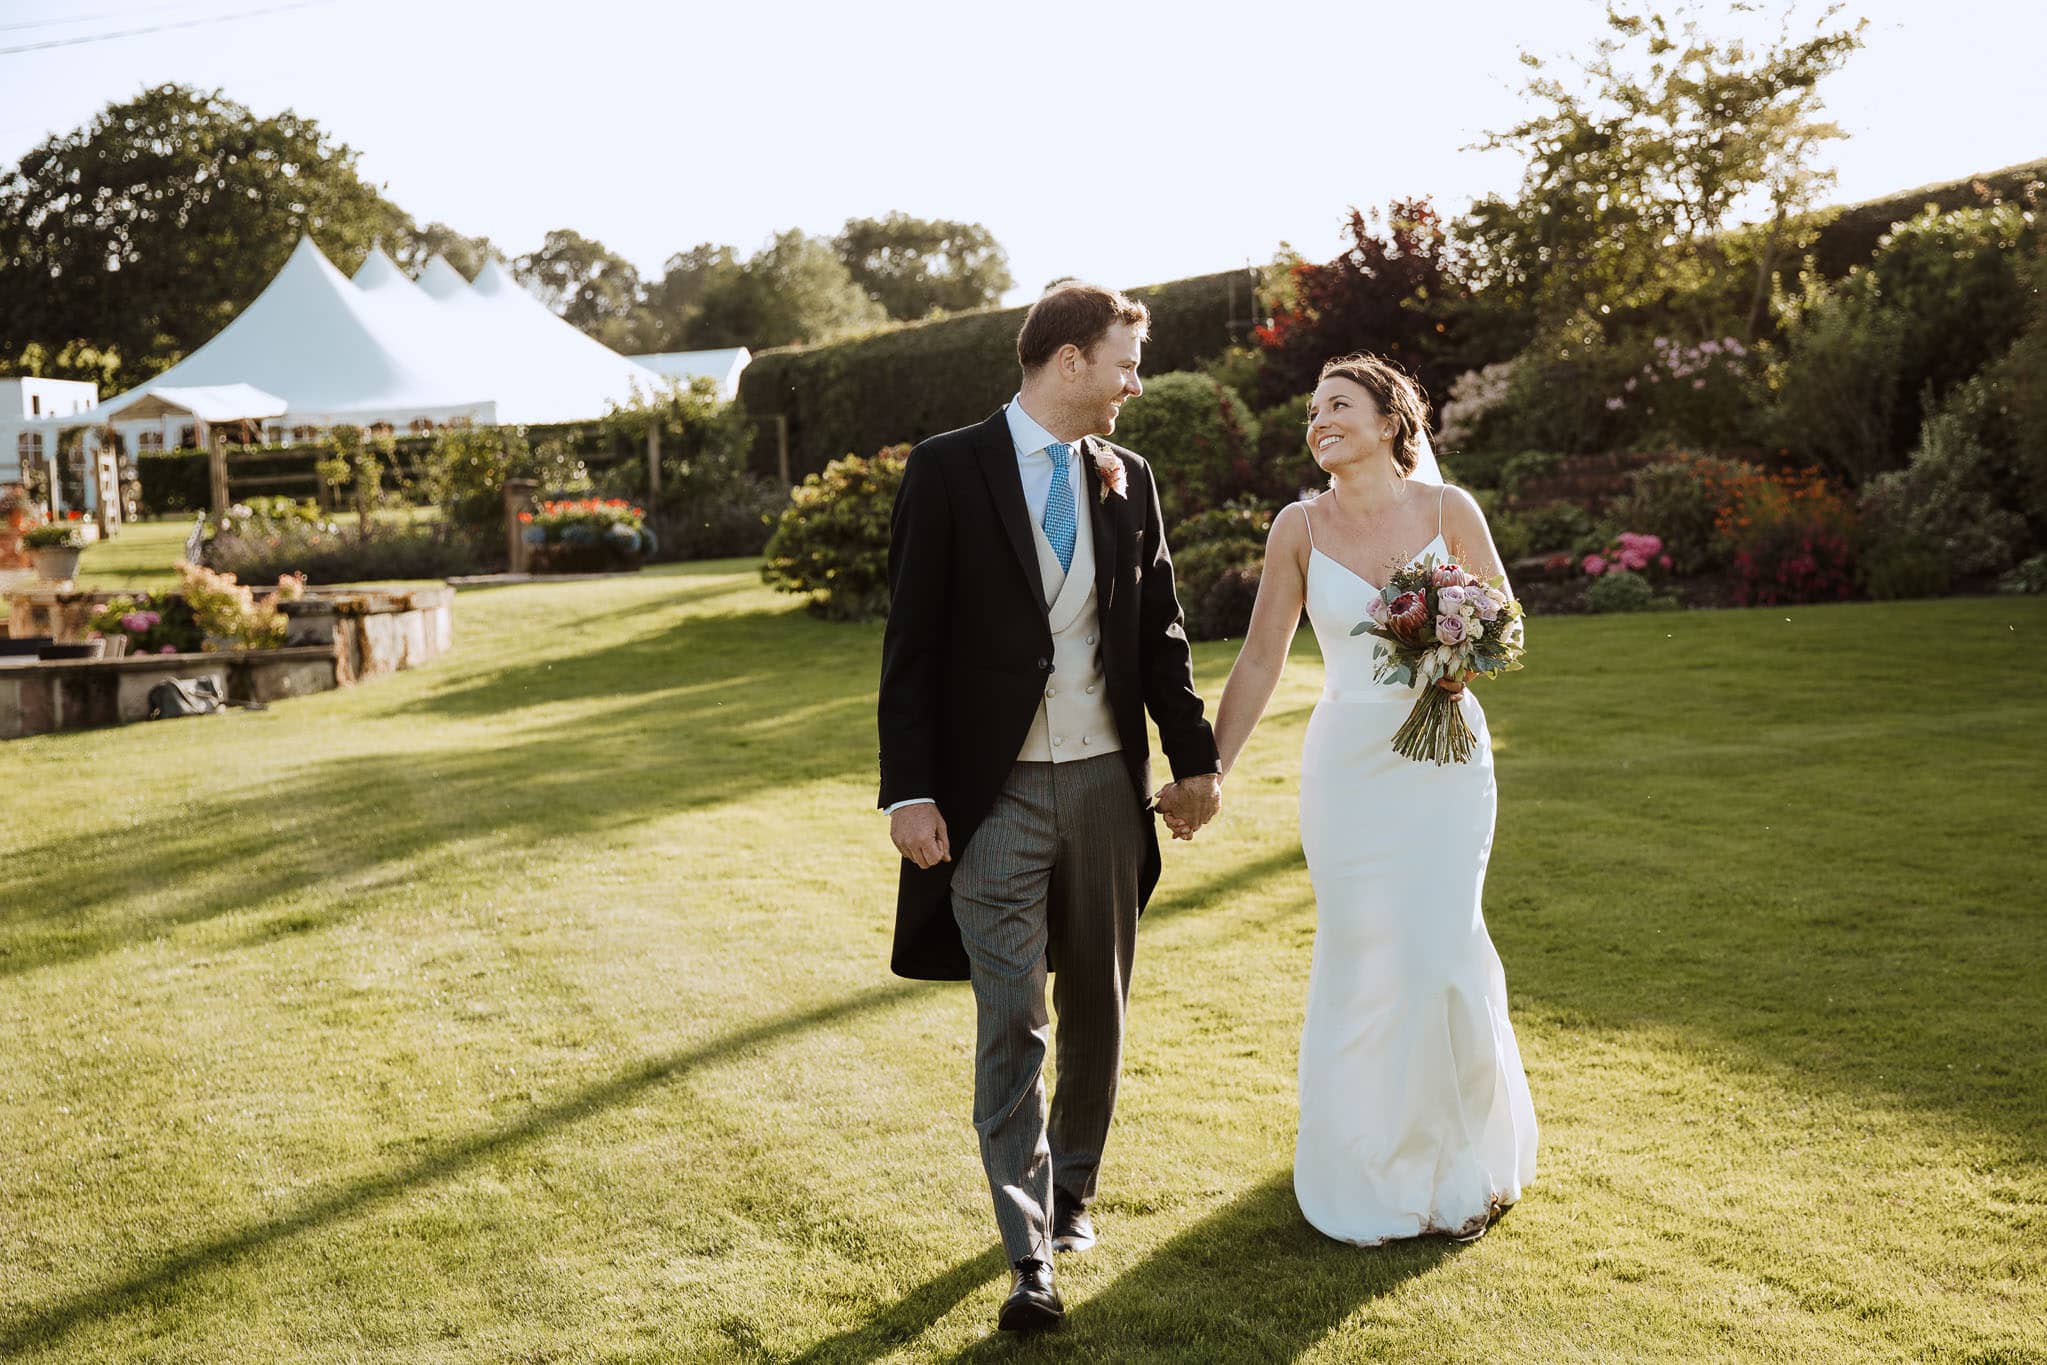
721,367
209,403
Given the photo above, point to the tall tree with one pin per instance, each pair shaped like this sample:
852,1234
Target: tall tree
794,290
467,254
914,267
585,281
143,233
1394,292
1638,167
675,302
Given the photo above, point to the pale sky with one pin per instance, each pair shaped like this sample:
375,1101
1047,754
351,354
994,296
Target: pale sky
1126,143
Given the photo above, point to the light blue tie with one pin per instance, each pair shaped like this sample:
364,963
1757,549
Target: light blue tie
1060,526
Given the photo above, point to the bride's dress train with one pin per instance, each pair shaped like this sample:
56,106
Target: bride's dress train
1415,1114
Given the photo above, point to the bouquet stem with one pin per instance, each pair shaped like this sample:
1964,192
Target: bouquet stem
1435,731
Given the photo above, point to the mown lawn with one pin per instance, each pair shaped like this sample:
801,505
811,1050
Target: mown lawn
534,1007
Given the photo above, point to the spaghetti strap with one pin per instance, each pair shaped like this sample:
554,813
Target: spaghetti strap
1310,523
1442,493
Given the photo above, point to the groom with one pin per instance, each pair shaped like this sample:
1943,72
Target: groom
1031,623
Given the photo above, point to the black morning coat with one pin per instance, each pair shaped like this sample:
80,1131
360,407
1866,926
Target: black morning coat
968,648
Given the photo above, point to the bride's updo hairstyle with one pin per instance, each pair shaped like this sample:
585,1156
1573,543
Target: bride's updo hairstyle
1397,395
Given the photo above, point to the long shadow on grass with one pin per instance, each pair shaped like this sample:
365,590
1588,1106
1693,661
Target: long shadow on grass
910,1317
1251,1282
51,1323
691,730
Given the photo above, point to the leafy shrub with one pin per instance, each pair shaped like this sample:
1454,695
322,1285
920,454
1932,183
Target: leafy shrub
1792,539
1217,581
1680,499
1837,386
1199,437
831,542
1474,396
1890,570
711,505
1950,500
258,549
174,481
1285,467
54,535
465,474
1869,358
2029,577
913,381
1559,526
227,612
1239,519
1625,590
1686,391
1476,469
1529,464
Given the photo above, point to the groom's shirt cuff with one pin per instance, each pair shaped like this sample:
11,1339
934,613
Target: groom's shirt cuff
913,801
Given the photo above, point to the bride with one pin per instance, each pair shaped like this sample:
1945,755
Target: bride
1414,1112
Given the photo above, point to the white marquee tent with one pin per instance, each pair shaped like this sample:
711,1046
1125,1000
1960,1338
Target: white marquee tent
316,349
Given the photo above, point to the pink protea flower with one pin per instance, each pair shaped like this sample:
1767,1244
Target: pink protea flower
1408,618
1115,478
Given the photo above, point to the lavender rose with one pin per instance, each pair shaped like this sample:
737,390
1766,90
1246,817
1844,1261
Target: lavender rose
1450,598
1450,629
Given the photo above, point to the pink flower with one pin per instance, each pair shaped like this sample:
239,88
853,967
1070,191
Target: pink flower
1663,561
1450,629
1379,612
1449,598
1115,479
1449,575
1408,618
168,649
1488,603
1595,564
1614,405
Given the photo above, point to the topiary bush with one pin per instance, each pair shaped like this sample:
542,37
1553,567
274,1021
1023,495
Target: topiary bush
1200,438
1622,590
831,543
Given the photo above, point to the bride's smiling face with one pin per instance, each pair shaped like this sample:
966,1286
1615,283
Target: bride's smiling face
1344,425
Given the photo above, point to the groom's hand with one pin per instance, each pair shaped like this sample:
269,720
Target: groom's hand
919,834
1190,803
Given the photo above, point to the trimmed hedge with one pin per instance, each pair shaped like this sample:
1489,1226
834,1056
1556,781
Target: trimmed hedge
1850,237
914,381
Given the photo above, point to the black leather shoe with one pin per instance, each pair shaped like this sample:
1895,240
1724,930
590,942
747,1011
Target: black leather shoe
1032,1303
1072,1229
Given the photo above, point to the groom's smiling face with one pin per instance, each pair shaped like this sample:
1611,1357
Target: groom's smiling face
1108,379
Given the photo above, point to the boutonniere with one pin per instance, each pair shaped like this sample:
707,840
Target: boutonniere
1115,479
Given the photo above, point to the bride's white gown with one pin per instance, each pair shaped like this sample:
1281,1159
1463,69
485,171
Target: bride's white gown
1415,1115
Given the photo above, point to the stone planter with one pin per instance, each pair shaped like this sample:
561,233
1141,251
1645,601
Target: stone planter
55,564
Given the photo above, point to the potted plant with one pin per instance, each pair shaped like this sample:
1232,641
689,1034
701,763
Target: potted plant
55,547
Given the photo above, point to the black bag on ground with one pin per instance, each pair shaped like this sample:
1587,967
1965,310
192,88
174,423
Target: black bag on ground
185,697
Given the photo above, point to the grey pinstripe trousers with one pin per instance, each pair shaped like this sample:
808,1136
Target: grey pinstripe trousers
1049,878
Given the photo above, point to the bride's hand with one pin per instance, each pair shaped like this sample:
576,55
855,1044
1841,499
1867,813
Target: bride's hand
1453,686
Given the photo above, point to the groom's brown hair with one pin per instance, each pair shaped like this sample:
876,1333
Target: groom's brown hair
1076,313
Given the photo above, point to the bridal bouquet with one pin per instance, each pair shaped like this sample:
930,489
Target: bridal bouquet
1437,621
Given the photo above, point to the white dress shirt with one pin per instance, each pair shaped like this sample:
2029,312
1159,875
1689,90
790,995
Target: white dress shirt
1034,466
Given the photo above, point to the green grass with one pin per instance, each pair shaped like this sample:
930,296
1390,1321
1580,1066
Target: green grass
137,556
534,1007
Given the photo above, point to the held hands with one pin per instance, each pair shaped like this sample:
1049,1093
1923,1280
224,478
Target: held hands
919,834
1190,803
